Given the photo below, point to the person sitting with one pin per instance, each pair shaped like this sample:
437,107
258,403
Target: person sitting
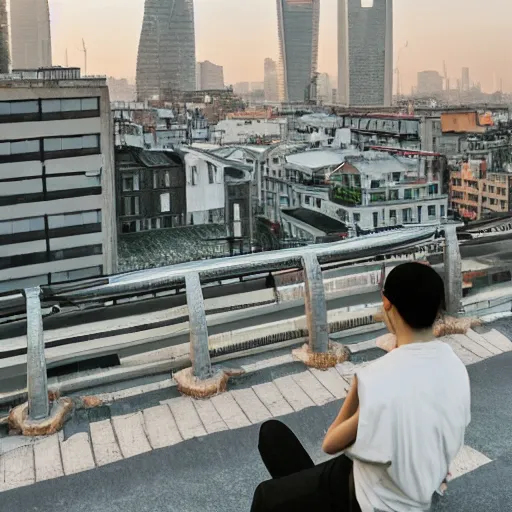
400,427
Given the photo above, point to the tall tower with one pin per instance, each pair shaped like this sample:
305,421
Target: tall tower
5,58
365,52
465,79
270,80
166,61
298,25
30,34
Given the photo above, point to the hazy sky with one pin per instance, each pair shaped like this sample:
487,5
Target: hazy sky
239,34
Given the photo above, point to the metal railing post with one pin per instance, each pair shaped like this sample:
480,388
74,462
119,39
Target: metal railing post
199,351
37,384
316,306
452,271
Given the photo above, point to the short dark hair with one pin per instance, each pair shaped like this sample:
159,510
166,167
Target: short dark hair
417,292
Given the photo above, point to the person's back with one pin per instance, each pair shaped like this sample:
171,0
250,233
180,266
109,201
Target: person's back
414,403
399,428
418,397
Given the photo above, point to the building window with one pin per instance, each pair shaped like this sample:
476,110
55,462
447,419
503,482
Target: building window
194,175
393,195
392,217
275,160
19,151
71,108
130,205
407,214
129,227
407,193
211,176
442,213
306,199
165,202
432,210
318,202
357,217
64,147
19,111
161,179
130,182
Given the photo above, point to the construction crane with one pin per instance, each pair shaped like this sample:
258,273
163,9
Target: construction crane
85,57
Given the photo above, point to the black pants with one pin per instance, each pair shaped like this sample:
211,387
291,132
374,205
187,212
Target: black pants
297,484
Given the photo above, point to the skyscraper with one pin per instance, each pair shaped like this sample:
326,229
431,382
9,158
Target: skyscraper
209,76
30,34
365,52
270,80
166,61
298,25
465,79
4,38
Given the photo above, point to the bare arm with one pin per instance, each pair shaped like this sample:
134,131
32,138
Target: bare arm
342,433
341,436
349,407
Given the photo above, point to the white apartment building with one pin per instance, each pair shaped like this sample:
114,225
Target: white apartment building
366,189
57,208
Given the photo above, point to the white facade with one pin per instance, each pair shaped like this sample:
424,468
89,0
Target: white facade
57,213
30,34
365,53
205,190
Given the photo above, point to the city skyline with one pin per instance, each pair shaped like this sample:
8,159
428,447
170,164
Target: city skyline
254,28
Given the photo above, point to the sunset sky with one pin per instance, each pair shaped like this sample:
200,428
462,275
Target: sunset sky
239,34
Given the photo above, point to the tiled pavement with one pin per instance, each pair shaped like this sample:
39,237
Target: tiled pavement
25,461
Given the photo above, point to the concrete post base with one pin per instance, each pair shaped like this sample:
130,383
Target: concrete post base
336,354
192,386
20,423
443,327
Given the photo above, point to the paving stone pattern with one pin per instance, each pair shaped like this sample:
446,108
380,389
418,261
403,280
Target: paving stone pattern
181,418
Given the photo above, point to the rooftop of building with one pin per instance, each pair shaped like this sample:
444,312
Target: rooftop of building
63,76
317,220
159,248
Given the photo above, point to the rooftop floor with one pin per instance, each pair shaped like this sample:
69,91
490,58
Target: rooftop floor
174,454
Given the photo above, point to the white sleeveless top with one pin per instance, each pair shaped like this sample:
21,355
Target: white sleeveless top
414,408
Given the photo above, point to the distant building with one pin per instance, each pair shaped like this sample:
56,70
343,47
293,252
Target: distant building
242,88
5,57
365,53
209,76
57,213
166,60
465,85
270,85
30,34
324,90
429,82
474,191
298,25
121,90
